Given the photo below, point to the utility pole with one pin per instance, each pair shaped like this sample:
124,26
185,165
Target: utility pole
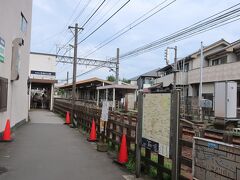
175,68
175,123
76,30
117,67
200,86
167,57
67,77
139,135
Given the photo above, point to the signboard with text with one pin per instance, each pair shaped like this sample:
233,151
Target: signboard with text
45,73
156,122
215,160
105,109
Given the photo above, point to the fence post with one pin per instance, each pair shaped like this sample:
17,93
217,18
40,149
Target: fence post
160,164
139,134
147,156
175,109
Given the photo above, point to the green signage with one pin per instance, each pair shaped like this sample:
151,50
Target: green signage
2,50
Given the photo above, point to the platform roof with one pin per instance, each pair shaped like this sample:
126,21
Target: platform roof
86,81
118,86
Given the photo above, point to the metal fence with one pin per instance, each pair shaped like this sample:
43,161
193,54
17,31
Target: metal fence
189,109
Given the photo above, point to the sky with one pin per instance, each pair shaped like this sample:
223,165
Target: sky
51,19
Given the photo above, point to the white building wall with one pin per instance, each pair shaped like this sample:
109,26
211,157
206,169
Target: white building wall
42,62
10,22
232,57
168,79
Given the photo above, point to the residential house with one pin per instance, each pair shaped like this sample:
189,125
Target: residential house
221,63
145,80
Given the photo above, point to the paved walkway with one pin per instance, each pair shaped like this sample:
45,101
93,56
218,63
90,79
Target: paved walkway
45,149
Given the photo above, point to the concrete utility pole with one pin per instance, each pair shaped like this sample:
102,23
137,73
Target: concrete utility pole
76,30
139,134
200,86
117,67
67,77
167,58
175,69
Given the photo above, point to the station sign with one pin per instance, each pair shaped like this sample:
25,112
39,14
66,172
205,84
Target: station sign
43,73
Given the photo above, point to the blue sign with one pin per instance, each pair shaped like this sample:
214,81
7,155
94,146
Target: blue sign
151,145
212,145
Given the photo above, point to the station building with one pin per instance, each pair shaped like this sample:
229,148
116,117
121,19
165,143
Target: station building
42,77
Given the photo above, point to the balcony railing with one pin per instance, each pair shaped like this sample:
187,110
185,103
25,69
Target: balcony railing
223,72
168,79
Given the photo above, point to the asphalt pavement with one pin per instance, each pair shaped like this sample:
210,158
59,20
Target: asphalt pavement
45,149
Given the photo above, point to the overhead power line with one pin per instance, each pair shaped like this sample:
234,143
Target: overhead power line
130,26
219,19
75,19
93,13
105,21
100,25
82,11
64,28
215,20
102,16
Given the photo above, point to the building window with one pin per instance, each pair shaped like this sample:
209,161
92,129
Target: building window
186,67
215,62
3,94
222,60
23,23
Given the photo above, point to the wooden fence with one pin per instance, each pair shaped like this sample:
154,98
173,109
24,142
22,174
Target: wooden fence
119,123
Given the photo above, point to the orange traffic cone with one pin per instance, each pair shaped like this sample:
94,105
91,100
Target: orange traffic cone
93,136
123,154
67,118
7,132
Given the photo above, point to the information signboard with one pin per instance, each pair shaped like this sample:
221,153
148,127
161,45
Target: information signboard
105,109
156,121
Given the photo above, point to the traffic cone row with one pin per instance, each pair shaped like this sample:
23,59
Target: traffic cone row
7,133
123,153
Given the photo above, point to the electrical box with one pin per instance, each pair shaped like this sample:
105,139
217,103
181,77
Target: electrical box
226,100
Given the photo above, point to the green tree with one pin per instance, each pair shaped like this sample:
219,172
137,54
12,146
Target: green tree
126,80
111,78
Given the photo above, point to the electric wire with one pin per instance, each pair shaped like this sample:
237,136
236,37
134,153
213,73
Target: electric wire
195,29
93,13
82,11
101,24
103,15
104,22
64,30
128,27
